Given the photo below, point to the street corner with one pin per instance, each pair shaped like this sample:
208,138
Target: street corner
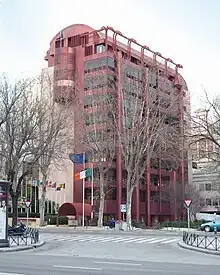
39,244
22,248
183,245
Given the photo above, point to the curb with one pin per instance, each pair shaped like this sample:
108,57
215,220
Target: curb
28,247
197,249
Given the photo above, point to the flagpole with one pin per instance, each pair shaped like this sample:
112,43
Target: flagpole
35,197
92,196
31,194
83,192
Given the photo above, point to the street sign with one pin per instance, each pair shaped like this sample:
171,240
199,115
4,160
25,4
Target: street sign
187,203
123,208
27,204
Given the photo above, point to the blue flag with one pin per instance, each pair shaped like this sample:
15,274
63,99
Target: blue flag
77,158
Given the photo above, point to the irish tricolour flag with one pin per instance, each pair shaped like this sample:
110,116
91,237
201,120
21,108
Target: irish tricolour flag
83,174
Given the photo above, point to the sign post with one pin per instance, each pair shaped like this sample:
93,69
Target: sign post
27,204
123,210
4,185
187,204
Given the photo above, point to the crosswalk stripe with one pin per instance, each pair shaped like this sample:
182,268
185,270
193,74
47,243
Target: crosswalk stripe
146,240
118,240
95,239
133,240
109,239
158,240
171,241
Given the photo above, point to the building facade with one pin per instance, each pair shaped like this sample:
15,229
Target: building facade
206,174
78,53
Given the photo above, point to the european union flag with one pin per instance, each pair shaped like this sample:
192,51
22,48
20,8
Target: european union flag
77,158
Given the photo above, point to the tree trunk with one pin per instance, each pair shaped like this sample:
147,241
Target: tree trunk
102,200
42,201
14,210
128,208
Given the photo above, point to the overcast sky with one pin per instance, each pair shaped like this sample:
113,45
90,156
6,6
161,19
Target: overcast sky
186,31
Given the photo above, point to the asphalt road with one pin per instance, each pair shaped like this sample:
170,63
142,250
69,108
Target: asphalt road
26,263
68,230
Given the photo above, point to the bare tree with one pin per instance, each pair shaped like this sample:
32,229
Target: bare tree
17,134
9,94
54,137
97,133
192,193
30,135
205,130
142,128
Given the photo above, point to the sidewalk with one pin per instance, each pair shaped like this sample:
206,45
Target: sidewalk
16,248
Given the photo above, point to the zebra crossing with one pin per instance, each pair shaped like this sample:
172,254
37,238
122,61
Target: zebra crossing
107,239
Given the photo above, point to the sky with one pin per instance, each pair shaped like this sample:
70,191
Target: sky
187,31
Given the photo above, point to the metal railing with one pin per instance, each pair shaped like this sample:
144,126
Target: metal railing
28,237
209,242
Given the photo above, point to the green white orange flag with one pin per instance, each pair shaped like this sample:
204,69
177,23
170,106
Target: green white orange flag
83,174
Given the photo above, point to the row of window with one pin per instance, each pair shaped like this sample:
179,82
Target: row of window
165,180
99,82
209,202
208,187
98,64
96,100
111,194
97,118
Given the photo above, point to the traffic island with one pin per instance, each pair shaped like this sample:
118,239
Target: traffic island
208,244
17,248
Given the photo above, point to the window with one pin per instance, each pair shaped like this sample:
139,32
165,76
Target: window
99,48
98,64
142,195
132,72
111,194
87,194
112,175
215,203
208,202
202,202
152,79
154,196
99,82
208,187
154,180
124,194
201,187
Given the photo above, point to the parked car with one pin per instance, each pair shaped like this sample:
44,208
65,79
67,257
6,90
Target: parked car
209,226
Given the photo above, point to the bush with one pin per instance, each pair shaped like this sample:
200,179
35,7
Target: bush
63,220
50,219
138,224
182,224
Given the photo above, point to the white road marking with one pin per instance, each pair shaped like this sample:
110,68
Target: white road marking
77,267
116,263
146,240
11,273
95,239
109,239
171,241
119,240
158,241
112,239
133,240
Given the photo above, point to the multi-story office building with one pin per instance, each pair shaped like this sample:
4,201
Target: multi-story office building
206,173
79,53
